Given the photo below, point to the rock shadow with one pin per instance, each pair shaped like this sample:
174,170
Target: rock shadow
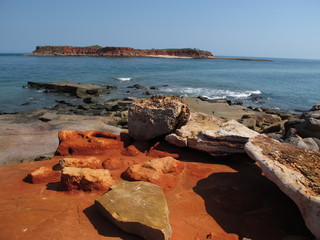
54,186
105,227
249,205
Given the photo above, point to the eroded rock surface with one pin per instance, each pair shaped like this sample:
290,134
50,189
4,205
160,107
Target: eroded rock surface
150,118
85,179
81,162
87,143
137,207
212,135
161,171
295,170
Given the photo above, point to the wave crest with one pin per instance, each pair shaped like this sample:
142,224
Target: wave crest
212,93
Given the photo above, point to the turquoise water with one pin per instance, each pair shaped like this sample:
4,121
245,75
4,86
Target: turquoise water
286,84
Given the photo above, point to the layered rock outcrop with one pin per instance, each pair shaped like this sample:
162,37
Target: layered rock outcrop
212,135
295,170
137,207
150,118
98,51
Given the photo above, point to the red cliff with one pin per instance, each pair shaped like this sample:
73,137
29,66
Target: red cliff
97,51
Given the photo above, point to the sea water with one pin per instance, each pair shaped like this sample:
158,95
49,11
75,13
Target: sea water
285,84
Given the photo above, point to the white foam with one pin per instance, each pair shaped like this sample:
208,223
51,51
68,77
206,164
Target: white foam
211,93
123,78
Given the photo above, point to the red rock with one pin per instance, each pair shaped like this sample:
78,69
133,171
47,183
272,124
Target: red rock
161,171
161,154
85,179
87,143
81,162
113,163
43,175
131,151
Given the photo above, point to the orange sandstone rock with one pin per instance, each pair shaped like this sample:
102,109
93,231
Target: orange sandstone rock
85,179
43,175
161,171
113,163
131,151
87,142
81,162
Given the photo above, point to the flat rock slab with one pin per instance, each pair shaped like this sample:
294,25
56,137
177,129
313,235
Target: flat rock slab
137,207
223,110
23,136
213,135
295,170
76,89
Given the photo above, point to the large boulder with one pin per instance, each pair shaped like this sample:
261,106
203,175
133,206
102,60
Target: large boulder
161,171
212,135
85,179
296,171
309,128
150,118
139,208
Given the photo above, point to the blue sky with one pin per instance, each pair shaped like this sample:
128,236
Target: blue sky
273,28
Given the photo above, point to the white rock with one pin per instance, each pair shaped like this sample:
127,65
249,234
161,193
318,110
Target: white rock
277,161
213,135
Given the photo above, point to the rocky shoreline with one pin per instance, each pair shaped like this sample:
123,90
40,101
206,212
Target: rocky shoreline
178,154
297,129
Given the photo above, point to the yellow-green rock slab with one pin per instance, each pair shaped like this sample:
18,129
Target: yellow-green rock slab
139,208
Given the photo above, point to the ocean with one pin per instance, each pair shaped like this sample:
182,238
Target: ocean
284,84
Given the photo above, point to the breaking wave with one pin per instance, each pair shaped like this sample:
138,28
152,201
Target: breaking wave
212,93
123,78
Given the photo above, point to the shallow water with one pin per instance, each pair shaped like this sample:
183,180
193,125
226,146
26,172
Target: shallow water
287,84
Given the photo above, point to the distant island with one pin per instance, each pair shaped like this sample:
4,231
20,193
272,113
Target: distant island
99,51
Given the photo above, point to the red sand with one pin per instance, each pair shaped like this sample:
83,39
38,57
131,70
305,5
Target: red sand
216,199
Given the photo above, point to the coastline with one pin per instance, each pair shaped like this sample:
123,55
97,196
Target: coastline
148,56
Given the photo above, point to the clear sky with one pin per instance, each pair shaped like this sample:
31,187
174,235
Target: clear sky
256,28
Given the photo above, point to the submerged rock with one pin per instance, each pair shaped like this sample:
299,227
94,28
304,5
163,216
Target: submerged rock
139,208
296,171
76,89
212,135
150,118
